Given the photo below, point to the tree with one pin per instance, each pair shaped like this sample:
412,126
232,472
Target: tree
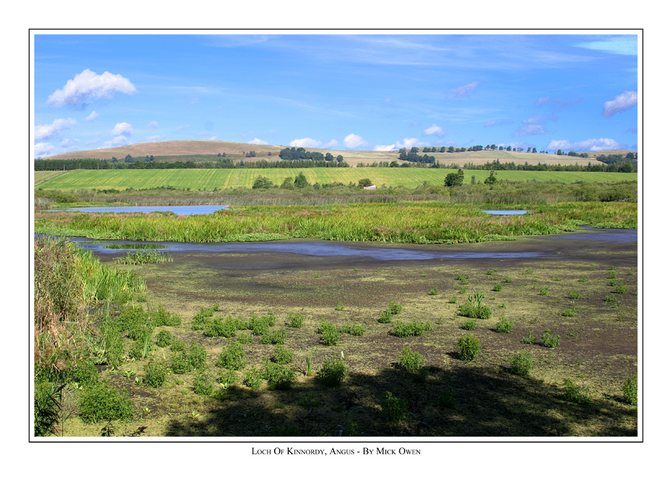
366,182
329,157
339,158
455,179
492,178
128,159
262,183
300,181
288,183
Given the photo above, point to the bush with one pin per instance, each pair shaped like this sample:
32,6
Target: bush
474,308
497,287
274,337
328,333
282,355
394,408
630,390
529,339
219,327
179,363
155,374
504,325
134,322
163,338
279,376
575,393
204,384
394,308
102,402
261,324
570,312
253,378
294,320
332,372
161,317
232,357
412,362
468,347
385,317
84,372
521,363
355,329
197,356
202,317
470,324
411,329
550,340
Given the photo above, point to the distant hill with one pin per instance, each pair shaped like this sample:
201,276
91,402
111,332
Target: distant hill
208,150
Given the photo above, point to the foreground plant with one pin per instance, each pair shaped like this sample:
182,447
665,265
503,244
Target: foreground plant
468,347
332,372
474,308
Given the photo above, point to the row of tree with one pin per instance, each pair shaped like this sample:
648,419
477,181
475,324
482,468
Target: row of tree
300,182
302,154
414,156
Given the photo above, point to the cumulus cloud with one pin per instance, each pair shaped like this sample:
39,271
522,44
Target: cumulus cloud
123,129
620,103
434,130
91,116
330,144
385,147
305,142
47,131
465,90
89,86
120,140
257,141
354,141
407,142
599,144
43,148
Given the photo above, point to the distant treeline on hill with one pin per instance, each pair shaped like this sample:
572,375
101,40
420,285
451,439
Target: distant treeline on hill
622,166
92,164
302,154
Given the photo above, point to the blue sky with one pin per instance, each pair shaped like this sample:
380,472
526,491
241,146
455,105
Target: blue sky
361,91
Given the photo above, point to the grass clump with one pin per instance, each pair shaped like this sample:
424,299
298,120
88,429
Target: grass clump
281,355
410,329
394,409
294,320
575,393
468,347
203,384
274,337
253,379
469,324
504,325
203,317
550,340
544,291
433,291
412,362
162,317
385,317
570,312
155,374
219,327
146,257
355,329
497,287
163,338
474,308
394,308
328,333
521,363
279,376
102,402
260,324
573,295
332,372
232,357
530,338
630,390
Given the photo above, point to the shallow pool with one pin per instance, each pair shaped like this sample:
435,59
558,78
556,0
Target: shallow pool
505,212
176,209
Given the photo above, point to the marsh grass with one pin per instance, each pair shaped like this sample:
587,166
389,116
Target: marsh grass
142,258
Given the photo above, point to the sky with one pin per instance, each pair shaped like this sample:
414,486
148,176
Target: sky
337,91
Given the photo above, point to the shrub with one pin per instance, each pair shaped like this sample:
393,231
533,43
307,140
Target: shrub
155,374
274,337
529,339
84,372
355,329
219,327
394,308
260,324
161,317
179,363
134,322
411,329
197,356
394,408
550,340
279,376
620,288
385,317
468,347
163,338
573,295
102,402
282,355
332,372
474,308
504,325
328,333
521,363
412,362
294,320
202,317
253,378
204,384
469,324
630,390
232,357
575,393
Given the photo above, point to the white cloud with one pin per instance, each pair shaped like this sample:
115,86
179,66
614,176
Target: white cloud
119,140
434,130
531,126
91,116
258,141
407,142
331,144
465,90
386,147
89,86
122,128
305,142
620,103
354,141
47,131
599,144
43,148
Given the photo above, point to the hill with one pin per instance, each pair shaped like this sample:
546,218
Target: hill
208,151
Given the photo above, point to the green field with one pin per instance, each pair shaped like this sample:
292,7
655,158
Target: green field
209,179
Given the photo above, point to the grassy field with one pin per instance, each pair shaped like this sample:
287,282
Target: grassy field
209,179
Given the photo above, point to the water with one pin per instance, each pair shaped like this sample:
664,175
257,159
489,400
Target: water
505,212
176,209
310,248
